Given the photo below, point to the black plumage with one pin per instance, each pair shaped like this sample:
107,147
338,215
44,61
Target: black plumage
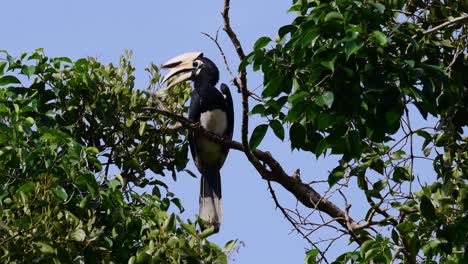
213,110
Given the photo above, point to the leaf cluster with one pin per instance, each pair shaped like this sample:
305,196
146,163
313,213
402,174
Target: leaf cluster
344,77
75,151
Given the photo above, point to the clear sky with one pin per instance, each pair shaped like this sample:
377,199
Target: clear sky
156,31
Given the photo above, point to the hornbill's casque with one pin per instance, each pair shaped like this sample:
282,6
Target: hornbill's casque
213,110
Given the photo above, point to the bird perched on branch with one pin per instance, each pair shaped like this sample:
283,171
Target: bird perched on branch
213,110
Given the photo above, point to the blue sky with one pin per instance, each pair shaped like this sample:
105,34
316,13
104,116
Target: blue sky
156,31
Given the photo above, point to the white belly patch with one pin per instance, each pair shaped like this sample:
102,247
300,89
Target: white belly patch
216,122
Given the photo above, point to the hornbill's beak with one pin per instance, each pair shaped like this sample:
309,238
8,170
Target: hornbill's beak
183,65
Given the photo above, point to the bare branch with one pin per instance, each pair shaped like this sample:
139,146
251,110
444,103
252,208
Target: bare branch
288,217
215,40
447,23
233,78
242,86
303,192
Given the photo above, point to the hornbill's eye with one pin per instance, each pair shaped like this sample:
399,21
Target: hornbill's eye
195,64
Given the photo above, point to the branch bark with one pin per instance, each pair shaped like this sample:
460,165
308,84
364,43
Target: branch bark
446,24
267,166
303,192
275,172
242,86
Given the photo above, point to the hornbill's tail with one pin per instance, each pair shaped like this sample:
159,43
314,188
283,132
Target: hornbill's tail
210,196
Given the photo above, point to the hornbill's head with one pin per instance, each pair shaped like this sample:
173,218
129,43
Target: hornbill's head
191,66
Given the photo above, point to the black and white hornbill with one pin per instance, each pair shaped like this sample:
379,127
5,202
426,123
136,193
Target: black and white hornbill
213,110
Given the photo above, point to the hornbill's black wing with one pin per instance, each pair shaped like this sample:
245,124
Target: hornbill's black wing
194,115
230,114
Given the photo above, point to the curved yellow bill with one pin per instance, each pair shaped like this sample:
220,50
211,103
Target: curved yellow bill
180,64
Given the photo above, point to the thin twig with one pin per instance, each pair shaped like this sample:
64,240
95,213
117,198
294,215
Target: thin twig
233,78
446,24
303,192
288,217
215,40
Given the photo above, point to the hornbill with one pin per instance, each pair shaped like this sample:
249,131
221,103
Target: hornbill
214,111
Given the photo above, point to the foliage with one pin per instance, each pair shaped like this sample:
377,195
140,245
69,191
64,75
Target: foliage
76,148
349,78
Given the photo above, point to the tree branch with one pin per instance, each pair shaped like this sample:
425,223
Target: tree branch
242,86
446,24
304,193
215,40
275,172
288,217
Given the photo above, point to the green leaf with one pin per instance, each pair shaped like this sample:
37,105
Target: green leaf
170,223
353,143
311,256
297,97
401,174
398,155
60,193
92,150
2,67
427,208
207,232
78,235
427,137
178,203
328,98
3,138
141,130
285,30
8,79
372,253
230,245
297,135
189,228
335,176
4,109
261,42
172,242
329,64
28,70
379,7
379,37
321,147
89,181
366,246
395,236
391,118
246,61
129,121
273,87
27,187
257,136
64,59
142,255
44,247
278,128
29,121
258,109
406,227
353,47
333,15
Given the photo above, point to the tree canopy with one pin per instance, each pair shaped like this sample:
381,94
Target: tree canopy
350,78
75,147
